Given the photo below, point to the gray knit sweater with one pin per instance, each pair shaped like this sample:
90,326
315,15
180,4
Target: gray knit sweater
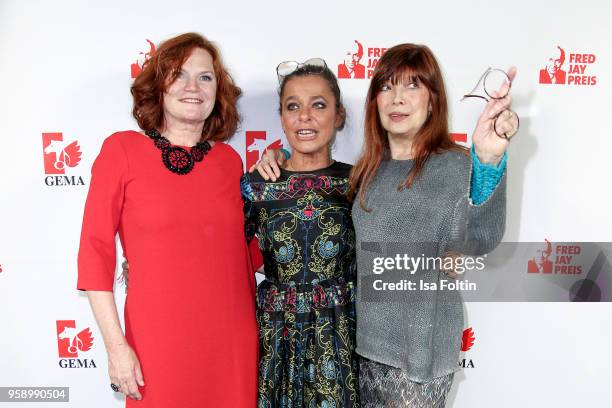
421,331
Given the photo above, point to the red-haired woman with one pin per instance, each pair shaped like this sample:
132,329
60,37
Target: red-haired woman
172,193
413,185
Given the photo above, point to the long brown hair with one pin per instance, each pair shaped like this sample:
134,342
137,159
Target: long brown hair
162,70
416,63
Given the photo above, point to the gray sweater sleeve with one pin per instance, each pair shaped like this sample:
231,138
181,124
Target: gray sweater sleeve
478,229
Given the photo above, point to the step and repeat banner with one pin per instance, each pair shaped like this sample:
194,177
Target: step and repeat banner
65,72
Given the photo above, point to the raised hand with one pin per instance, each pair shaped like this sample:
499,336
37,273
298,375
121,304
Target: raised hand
489,146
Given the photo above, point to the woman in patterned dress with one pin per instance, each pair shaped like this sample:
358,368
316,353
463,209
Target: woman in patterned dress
305,306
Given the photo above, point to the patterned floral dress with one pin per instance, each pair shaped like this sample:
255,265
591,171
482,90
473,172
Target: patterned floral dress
306,304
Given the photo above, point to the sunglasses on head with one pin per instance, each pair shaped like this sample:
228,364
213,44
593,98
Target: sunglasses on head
286,68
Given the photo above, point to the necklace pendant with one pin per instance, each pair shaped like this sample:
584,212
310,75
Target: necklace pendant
177,160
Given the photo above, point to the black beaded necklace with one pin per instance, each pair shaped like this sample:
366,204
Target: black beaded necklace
176,159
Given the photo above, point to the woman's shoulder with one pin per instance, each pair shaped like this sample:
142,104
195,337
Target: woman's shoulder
126,136
343,169
453,160
228,154
451,167
116,150
124,139
119,141
254,177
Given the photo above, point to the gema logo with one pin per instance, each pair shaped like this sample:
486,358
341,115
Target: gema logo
353,68
257,145
143,56
467,342
58,156
71,342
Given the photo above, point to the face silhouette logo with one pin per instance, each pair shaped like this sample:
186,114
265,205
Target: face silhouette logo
541,262
144,56
352,66
552,73
58,155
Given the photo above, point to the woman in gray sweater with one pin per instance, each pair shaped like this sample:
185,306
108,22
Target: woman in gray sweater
414,187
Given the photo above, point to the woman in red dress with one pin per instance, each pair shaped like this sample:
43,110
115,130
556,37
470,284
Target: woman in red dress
173,195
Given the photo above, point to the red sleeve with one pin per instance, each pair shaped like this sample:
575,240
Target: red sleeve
255,253
97,254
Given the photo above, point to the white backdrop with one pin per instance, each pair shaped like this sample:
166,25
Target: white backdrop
65,68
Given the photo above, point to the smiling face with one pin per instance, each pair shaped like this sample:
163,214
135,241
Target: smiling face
308,114
191,97
403,107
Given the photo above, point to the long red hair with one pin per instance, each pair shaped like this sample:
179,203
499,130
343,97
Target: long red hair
162,70
403,62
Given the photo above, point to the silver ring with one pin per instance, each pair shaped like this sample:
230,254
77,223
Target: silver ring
115,387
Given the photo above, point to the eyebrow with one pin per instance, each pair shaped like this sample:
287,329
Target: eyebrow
293,97
201,72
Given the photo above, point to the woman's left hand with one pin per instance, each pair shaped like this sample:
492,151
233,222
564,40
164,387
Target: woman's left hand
488,145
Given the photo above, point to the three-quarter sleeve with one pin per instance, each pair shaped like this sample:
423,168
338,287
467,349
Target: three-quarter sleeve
101,218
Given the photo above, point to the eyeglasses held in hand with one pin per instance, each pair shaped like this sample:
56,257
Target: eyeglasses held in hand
496,85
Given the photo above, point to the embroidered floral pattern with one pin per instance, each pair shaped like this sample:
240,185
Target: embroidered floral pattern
306,305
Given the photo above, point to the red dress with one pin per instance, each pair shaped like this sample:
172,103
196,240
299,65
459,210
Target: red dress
190,309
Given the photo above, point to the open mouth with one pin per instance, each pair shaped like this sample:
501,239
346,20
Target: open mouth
397,116
306,134
191,100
